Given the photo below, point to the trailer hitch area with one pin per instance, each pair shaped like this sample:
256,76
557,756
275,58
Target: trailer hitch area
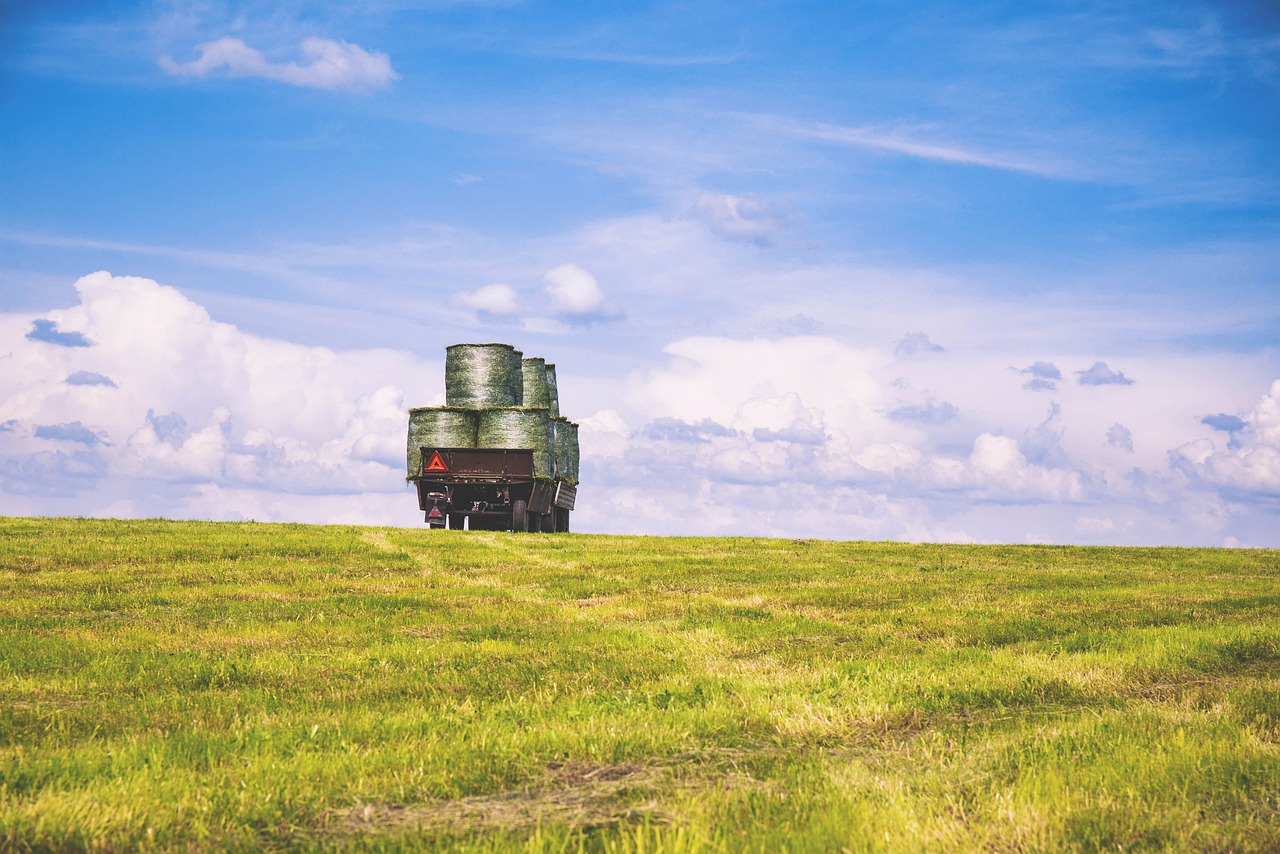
437,506
479,506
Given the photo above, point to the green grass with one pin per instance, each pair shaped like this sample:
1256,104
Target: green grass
180,685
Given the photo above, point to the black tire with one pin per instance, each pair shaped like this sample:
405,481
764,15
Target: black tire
457,521
562,520
519,516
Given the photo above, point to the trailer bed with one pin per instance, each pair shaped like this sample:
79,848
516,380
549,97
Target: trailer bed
492,489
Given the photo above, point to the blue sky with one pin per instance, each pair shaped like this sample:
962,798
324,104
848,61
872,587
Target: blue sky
796,262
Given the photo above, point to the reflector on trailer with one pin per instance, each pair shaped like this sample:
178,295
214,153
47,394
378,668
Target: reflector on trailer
435,513
436,463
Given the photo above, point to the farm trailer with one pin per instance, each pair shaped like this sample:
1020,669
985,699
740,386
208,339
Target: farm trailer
490,489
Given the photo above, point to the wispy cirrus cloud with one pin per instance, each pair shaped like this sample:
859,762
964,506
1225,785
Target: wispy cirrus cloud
915,142
328,64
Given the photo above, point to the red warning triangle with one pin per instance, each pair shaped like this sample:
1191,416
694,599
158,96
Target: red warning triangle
436,464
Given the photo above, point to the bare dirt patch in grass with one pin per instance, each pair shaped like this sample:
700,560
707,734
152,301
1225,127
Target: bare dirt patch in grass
577,794
574,793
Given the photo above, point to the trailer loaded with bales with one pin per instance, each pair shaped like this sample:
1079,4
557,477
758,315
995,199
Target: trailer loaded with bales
498,455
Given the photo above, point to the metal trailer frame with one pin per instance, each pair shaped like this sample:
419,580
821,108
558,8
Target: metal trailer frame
490,489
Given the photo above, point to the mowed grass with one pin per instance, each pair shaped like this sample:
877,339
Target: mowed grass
179,685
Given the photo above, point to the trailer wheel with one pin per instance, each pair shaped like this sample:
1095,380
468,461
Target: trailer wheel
457,521
519,516
562,520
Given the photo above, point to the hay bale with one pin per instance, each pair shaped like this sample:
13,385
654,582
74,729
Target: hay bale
566,439
438,427
480,376
536,392
519,427
553,392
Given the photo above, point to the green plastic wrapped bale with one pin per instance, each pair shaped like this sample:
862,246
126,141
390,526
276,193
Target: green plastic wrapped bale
566,436
553,392
438,427
537,395
481,376
519,427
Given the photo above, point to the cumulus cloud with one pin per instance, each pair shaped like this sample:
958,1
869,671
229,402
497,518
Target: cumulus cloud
327,64
1224,422
72,432
800,435
90,378
1100,374
1042,444
575,294
809,412
205,405
47,331
1250,464
997,470
1120,436
915,343
1044,376
496,299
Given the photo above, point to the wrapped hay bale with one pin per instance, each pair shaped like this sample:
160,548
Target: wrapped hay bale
480,376
553,392
518,427
438,427
566,437
537,394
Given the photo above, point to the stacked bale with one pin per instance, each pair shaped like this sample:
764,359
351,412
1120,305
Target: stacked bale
553,391
495,398
482,376
537,391
566,440
439,427
519,427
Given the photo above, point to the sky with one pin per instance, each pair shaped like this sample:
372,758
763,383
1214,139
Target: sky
971,272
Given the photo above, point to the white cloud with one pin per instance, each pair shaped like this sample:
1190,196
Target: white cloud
328,64
813,413
998,470
1250,463
1100,374
496,299
573,292
1120,436
198,402
913,142
803,435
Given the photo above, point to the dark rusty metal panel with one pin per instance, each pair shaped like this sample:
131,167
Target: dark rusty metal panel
480,462
541,497
566,495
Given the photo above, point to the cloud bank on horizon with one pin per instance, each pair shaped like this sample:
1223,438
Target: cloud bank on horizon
938,272
168,412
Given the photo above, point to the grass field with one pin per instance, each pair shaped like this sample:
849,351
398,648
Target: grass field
176,685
